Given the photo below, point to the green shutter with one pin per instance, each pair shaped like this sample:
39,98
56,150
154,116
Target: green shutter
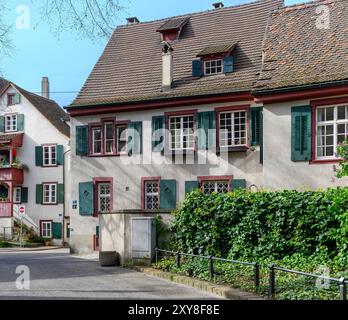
24,195
97,231
86,198
255,126
57,230
20,122
228,65
38,156
191,186
301,137
39,194
60,155
135,138
2,124
17,98
168,194
60,197
238,184
158,133
206,130
82,141
197,68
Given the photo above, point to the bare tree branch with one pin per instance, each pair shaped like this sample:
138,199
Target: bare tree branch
5,32
94,19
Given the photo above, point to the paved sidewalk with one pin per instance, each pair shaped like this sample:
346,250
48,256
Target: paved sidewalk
18,249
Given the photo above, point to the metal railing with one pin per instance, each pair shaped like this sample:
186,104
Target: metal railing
211,259
342,282
272,280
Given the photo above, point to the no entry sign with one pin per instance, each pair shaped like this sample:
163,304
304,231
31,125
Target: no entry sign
22,210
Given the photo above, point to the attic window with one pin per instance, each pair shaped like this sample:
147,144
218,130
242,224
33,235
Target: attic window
213,67
172,28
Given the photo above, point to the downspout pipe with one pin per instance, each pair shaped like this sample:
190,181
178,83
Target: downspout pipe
64,180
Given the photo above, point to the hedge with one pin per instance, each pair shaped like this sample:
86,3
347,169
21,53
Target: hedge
264,225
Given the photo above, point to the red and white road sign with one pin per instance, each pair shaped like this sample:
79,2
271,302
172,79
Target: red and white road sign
22,210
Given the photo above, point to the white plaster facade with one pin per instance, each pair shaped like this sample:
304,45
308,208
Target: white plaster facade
38,131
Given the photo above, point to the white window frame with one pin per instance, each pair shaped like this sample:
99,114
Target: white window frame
50,159
109,140
13,119
46,232
208,67
122,138
152,194
335,122
51,188
17,195
99,141
100,196
233,132
182,133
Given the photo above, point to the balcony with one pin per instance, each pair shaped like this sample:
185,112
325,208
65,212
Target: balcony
12,175
5,209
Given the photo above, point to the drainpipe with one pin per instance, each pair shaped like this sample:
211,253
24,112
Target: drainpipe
63,234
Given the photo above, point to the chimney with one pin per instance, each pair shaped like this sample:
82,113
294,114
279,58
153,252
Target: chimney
45,88
218,5
167,66
132,20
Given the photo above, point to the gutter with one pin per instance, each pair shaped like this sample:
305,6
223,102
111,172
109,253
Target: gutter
299,88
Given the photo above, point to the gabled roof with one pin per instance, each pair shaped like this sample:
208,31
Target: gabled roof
49,108
130,68
299,54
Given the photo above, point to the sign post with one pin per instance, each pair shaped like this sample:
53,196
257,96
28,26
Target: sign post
21,214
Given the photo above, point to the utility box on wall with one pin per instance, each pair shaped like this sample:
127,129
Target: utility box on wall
143,241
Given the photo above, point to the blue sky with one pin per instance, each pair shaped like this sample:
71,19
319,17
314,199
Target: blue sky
68,61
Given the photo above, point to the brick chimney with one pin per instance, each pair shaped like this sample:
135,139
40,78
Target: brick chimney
167,66
45,88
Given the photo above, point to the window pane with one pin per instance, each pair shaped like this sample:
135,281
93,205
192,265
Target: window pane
329,114
341,113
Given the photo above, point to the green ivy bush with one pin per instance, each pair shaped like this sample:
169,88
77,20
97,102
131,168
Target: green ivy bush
257,226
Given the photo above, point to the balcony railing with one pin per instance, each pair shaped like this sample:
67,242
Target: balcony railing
12,175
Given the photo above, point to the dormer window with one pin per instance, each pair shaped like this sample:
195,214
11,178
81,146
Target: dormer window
172,28
213,67
13,99
214,60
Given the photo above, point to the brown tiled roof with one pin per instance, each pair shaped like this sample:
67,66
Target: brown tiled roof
173,24
130,69
49,108
216,50
298,54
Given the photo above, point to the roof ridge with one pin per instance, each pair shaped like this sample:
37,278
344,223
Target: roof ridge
199,13
305,5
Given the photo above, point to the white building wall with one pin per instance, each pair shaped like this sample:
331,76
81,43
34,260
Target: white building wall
127,177
37,131
279,172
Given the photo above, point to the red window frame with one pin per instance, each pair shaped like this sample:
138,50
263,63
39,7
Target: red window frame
322,103
202,179
96,182
143,182
182,113
240,108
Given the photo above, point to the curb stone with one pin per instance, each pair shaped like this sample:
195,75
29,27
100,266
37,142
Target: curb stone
30,249
220,290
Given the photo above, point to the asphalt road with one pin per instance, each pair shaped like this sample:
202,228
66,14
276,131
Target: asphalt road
57,275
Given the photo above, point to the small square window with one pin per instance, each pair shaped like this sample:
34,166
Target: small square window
11,123
213,67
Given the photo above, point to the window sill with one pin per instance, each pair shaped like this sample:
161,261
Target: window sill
233,149
179,152
325,161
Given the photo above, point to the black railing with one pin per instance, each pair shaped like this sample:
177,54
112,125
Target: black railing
256,271
211,259
272,280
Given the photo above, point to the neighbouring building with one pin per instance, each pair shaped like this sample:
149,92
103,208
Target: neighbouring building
34,139
216,100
